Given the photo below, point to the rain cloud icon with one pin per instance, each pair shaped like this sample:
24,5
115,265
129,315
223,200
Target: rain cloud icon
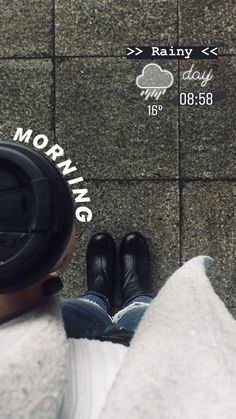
154,81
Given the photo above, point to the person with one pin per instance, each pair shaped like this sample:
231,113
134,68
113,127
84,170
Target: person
90,315
180,362
36,238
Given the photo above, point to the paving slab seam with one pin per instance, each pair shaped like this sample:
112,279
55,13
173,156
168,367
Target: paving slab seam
48,57
227,55
166,179
206,180
130,180
45,57
91,56
180,180
179,151
57,56
178,15
54,69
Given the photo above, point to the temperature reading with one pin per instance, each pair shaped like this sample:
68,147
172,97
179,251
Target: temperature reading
153,109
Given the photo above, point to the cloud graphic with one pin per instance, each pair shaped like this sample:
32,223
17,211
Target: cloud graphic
153,77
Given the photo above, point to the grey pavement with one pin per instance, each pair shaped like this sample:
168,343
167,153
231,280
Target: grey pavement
64,73
100,110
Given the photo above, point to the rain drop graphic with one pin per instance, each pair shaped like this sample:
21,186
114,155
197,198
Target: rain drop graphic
154,81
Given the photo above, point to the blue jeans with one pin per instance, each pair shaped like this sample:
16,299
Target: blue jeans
88,316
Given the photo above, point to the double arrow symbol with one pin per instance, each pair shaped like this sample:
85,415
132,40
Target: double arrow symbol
211,51
133,51
176,52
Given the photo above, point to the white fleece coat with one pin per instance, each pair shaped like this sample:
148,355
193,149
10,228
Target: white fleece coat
181,363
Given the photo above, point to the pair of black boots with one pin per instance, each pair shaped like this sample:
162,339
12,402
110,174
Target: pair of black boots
134,264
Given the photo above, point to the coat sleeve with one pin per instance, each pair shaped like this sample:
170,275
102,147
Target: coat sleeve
182,361
33,350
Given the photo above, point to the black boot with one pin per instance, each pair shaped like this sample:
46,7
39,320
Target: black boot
135,266
101,258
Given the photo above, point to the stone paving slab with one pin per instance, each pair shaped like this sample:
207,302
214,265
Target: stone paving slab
232,310
25,28
208,22
107,27
209,220
25,96
119,207
208,133
74,278
104,120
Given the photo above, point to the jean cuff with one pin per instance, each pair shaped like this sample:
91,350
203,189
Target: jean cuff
101,296
139,294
